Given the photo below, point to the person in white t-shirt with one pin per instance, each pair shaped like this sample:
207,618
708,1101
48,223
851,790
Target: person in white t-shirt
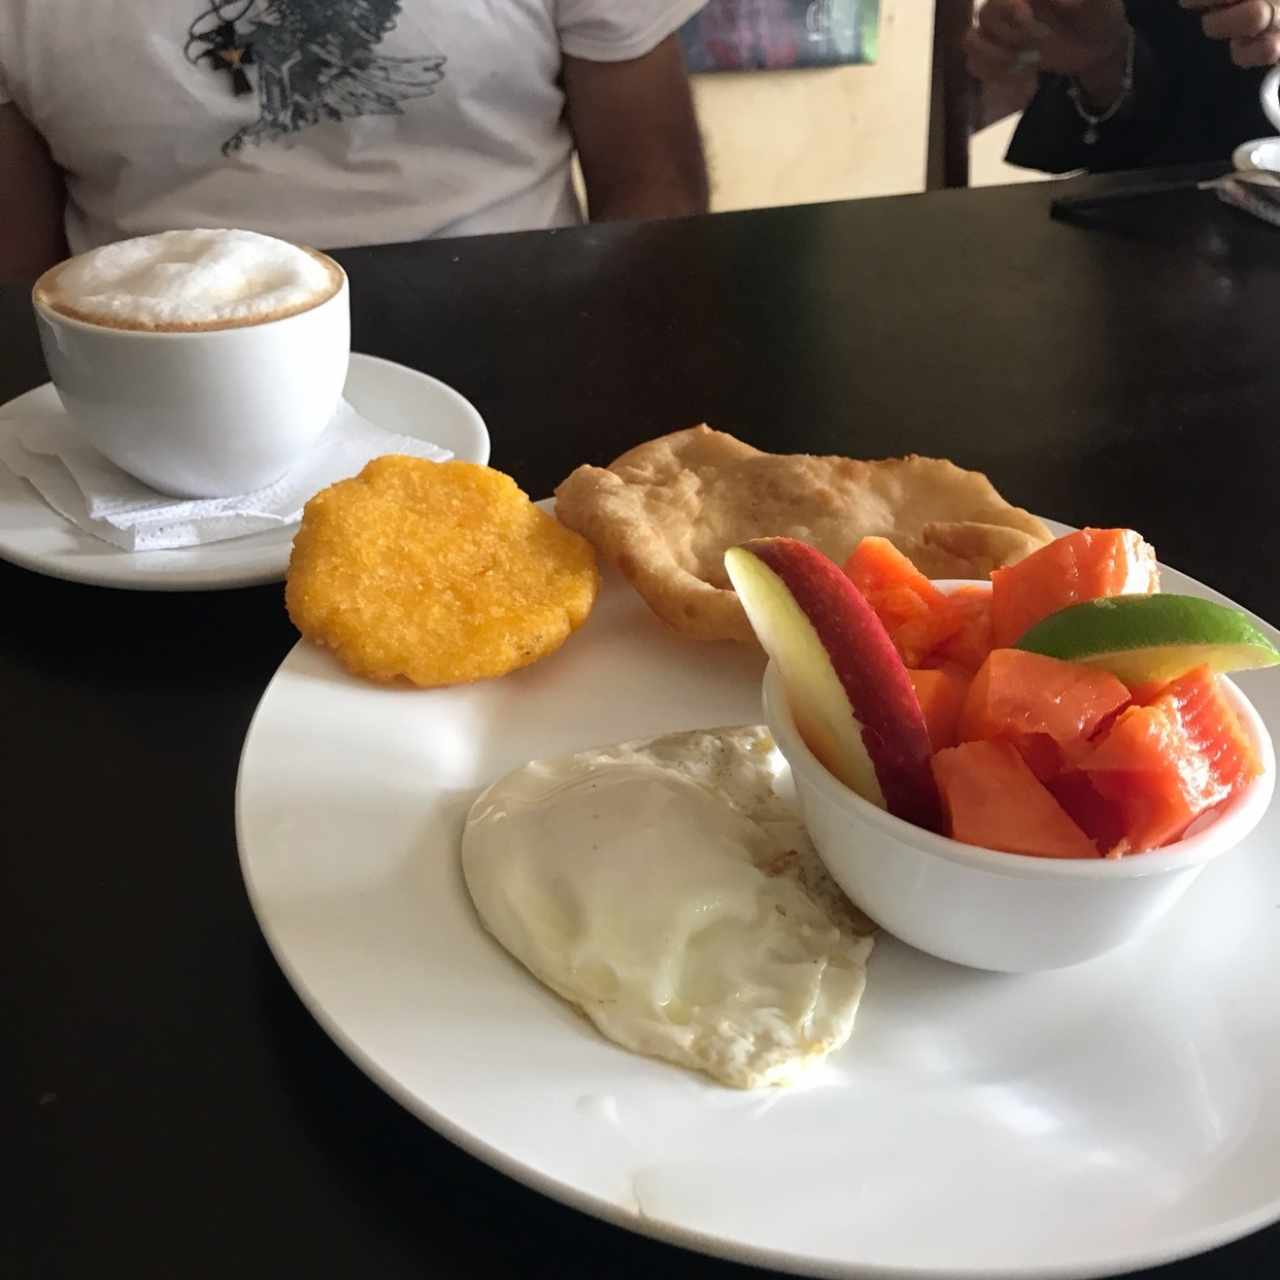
336,122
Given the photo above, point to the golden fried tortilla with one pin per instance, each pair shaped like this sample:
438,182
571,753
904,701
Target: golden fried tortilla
666,511
440,572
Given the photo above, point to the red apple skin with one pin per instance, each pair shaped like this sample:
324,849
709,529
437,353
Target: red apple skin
881,696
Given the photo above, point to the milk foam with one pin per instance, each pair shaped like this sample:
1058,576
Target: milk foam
188,280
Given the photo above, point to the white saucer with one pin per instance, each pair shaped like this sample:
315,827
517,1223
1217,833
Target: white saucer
1258,153
34,536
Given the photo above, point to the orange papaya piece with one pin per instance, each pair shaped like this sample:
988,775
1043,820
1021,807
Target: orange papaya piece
1208,719
955,632
971,641
1099,818
1163,764
1016,693
893,586
992,799
1045,758
941,693
918,638
1085,565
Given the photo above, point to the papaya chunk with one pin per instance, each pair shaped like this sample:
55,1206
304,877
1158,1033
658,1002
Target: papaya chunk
893,586
1016,693
1045,757
955,632
928,627
969,644
941,693
992,799
1085,565
1099,818
1163,764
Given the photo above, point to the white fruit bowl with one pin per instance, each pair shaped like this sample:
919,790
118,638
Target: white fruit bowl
1003,911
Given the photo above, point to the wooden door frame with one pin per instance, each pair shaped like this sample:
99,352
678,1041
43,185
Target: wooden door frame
951,98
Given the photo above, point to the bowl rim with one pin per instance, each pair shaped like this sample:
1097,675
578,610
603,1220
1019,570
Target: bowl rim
1233,821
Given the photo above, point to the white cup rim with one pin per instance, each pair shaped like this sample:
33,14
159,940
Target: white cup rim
55,316
1269,96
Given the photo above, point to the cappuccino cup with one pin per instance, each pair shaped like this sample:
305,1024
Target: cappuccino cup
204,362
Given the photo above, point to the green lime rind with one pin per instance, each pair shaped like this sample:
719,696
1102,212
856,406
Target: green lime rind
1138,667
1152,639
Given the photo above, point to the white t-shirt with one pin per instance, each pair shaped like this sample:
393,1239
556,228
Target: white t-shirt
358,121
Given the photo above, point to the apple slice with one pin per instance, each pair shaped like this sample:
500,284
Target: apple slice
849,692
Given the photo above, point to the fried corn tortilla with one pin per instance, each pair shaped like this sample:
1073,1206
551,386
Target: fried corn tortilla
666,511
440,572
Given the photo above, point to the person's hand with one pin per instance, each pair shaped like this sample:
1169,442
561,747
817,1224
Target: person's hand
1251,26
1066,37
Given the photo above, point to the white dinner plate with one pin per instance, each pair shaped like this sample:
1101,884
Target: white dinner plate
35,536
1073,1123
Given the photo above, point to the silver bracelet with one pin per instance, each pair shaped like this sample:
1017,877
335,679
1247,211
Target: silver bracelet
1126,88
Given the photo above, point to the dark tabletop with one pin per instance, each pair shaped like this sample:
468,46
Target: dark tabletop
173,1109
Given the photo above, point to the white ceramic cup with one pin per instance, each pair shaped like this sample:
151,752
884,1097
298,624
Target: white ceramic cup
205,414
1269,94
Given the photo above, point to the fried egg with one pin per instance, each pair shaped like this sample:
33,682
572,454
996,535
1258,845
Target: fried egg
667,890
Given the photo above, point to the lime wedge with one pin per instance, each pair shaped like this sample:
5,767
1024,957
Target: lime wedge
1152,639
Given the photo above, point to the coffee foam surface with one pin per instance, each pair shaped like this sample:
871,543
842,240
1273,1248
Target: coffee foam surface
184,280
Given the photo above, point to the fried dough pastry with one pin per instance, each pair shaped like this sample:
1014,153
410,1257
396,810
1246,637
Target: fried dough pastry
441,572
666,511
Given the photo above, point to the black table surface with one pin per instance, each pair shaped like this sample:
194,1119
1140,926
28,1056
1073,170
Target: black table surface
175,1110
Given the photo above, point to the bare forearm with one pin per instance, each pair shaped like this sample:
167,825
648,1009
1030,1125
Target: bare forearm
32,199
660,191
24,257
637,136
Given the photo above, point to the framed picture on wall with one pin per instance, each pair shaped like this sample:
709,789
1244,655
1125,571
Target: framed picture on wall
756,35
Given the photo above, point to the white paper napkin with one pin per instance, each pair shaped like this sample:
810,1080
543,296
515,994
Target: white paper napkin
95,495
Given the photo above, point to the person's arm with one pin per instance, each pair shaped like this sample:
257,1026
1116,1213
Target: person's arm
1052,134
32,199
1084,44
637,137
1189,104
1251,28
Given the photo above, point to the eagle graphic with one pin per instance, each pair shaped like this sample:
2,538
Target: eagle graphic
313,60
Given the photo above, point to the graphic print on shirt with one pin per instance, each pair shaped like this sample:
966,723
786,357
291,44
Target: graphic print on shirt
313,60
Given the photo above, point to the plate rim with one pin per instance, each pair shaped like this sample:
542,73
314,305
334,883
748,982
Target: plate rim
122,578
678,1234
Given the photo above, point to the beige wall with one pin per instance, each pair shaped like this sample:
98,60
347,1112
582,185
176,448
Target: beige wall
986,157
790,137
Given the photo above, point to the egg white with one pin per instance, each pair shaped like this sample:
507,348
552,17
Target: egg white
667,890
